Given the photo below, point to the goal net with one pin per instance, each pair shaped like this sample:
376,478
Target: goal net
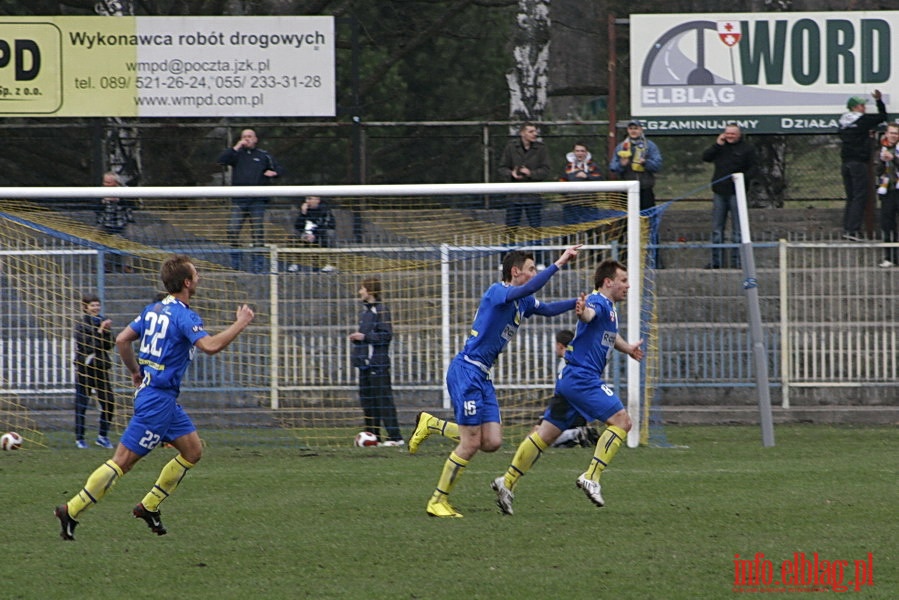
434,248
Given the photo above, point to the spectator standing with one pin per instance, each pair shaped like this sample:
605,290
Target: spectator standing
370,354
524,159
249,166
730,154
580,167
93,341
888,189
113,217
638,159
855,128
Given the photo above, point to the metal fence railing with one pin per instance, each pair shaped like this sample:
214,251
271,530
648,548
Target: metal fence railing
829,314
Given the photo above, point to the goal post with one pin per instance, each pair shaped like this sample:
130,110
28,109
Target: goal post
295,361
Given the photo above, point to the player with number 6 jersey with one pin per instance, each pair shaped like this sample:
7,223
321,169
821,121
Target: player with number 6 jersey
169,332
580,390
501,312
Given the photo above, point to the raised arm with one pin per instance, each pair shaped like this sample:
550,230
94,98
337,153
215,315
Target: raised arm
213,344
540,279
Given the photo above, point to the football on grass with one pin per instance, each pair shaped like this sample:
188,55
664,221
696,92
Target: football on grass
11,441
365,439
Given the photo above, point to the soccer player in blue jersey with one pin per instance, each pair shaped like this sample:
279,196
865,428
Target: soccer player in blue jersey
169,332
580,390
478,427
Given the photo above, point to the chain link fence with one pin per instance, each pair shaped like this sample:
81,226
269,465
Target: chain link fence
52,153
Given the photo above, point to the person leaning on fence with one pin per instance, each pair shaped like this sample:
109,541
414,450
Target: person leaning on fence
887,169
855,128
249,166
93,341
730,154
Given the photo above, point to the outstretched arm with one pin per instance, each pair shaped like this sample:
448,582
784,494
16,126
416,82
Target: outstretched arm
551,309
633,350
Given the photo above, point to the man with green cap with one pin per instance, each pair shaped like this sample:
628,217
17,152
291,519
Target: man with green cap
854,129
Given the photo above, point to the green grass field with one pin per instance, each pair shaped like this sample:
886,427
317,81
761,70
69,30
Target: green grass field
272,522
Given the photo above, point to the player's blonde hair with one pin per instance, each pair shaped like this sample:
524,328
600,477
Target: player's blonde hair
174,271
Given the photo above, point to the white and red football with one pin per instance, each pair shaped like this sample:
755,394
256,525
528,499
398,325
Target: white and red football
365,439
10,441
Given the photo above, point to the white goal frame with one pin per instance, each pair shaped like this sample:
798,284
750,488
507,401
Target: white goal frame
631,188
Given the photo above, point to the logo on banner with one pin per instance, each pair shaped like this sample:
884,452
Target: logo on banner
729,32
30,79
772,61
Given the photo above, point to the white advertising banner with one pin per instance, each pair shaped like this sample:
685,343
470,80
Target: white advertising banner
785,72
167,66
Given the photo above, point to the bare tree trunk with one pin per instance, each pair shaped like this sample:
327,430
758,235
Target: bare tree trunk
529,79
121,142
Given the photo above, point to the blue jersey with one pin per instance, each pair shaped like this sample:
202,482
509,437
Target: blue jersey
496,323
500,313
593,341
167,333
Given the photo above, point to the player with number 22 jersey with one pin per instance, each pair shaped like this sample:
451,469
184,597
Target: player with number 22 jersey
167,331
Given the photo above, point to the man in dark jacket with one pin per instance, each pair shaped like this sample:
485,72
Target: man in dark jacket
524,159
730,154
93,341
855,134
249,166
315,222
369,354
314,225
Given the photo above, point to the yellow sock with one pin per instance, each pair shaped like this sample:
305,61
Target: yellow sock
452,469
169,478
530,449
605,451
447,429
99,482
